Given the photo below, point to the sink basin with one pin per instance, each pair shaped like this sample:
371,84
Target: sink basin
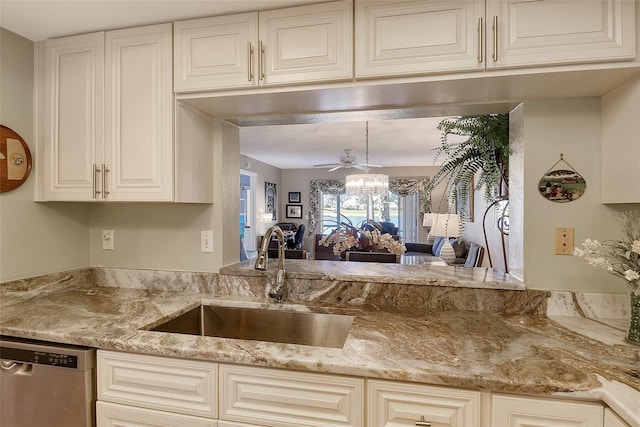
291,327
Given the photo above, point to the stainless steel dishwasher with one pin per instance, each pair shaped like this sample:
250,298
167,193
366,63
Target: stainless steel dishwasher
46,384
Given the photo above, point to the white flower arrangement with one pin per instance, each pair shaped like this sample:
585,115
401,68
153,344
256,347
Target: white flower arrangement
347,236
620,258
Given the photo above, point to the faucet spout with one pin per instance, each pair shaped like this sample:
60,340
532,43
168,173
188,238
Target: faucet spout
277,291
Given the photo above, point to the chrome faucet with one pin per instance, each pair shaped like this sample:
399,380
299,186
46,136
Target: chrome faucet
277,291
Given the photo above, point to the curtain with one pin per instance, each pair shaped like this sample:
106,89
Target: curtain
317,187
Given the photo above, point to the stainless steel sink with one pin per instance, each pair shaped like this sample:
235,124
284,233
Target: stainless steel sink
291,327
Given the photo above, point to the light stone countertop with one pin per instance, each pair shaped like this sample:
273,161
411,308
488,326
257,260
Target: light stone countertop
469,349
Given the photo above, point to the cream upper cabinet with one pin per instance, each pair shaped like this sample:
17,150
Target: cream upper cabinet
286,46
105,122
71,105
107,109
517,411
214,53
394,38
417,37
138,155
548,32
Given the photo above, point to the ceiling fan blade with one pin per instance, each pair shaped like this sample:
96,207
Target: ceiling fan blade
334,169
371,165
328,165
360,167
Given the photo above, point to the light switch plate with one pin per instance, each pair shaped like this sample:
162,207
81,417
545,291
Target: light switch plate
108,237
564,240
206,241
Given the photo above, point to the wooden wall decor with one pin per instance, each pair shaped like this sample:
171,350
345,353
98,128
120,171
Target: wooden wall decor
15,160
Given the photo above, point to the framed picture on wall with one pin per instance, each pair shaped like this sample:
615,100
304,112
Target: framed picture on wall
294,197
465,210
294,211
271,200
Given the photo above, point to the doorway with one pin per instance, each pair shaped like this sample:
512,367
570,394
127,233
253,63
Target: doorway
247,209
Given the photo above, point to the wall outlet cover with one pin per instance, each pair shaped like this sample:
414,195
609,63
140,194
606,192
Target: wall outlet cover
206,241
108,237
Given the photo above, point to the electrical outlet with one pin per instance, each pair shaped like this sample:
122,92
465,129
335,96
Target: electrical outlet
206,241
108,242
564,240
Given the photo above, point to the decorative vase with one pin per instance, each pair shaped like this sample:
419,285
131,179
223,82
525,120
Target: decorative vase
633,336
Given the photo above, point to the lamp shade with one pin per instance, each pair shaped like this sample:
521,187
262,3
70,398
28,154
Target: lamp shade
427,219
446,225
367,184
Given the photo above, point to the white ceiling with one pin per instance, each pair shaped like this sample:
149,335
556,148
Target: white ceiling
392,143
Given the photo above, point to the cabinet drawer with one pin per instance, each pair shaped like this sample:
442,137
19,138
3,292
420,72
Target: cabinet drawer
270,397
512,411
175,385
392,404
114,415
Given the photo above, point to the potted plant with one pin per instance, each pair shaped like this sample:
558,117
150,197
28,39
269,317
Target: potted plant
484,154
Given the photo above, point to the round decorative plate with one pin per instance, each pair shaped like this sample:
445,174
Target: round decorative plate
15,160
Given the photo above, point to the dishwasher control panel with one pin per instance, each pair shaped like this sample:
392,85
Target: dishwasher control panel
39,357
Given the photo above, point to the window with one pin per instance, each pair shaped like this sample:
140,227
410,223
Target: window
402,211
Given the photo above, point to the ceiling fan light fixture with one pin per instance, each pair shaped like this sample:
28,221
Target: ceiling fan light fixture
365,184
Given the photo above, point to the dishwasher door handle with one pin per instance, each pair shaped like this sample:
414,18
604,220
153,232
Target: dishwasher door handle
15,368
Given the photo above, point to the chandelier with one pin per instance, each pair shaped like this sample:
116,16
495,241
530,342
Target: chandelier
367,184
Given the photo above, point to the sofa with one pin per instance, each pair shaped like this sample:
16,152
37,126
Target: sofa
467,253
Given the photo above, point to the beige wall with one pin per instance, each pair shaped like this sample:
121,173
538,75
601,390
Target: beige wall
264,173
35,238
570,127
166,236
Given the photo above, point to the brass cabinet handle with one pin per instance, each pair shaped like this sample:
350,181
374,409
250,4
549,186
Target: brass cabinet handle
96,171
105,192
422,422
261,59
250,66
495,39
480,40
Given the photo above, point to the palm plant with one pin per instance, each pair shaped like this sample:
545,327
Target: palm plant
485,153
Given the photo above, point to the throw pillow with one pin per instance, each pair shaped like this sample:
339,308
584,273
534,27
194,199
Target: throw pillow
458,247
437,245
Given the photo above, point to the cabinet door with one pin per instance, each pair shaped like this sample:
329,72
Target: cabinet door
306,43
276,398
512,411
418,37
72,131
613,420
541,32
216,53
393,404
139,114
113,415
161,383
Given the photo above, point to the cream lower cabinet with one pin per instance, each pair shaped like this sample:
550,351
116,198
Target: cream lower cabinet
395,404
611,419
284,46
114,415
515,411
276,398
141,390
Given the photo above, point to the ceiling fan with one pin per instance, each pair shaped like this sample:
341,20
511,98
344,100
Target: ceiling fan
347,161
